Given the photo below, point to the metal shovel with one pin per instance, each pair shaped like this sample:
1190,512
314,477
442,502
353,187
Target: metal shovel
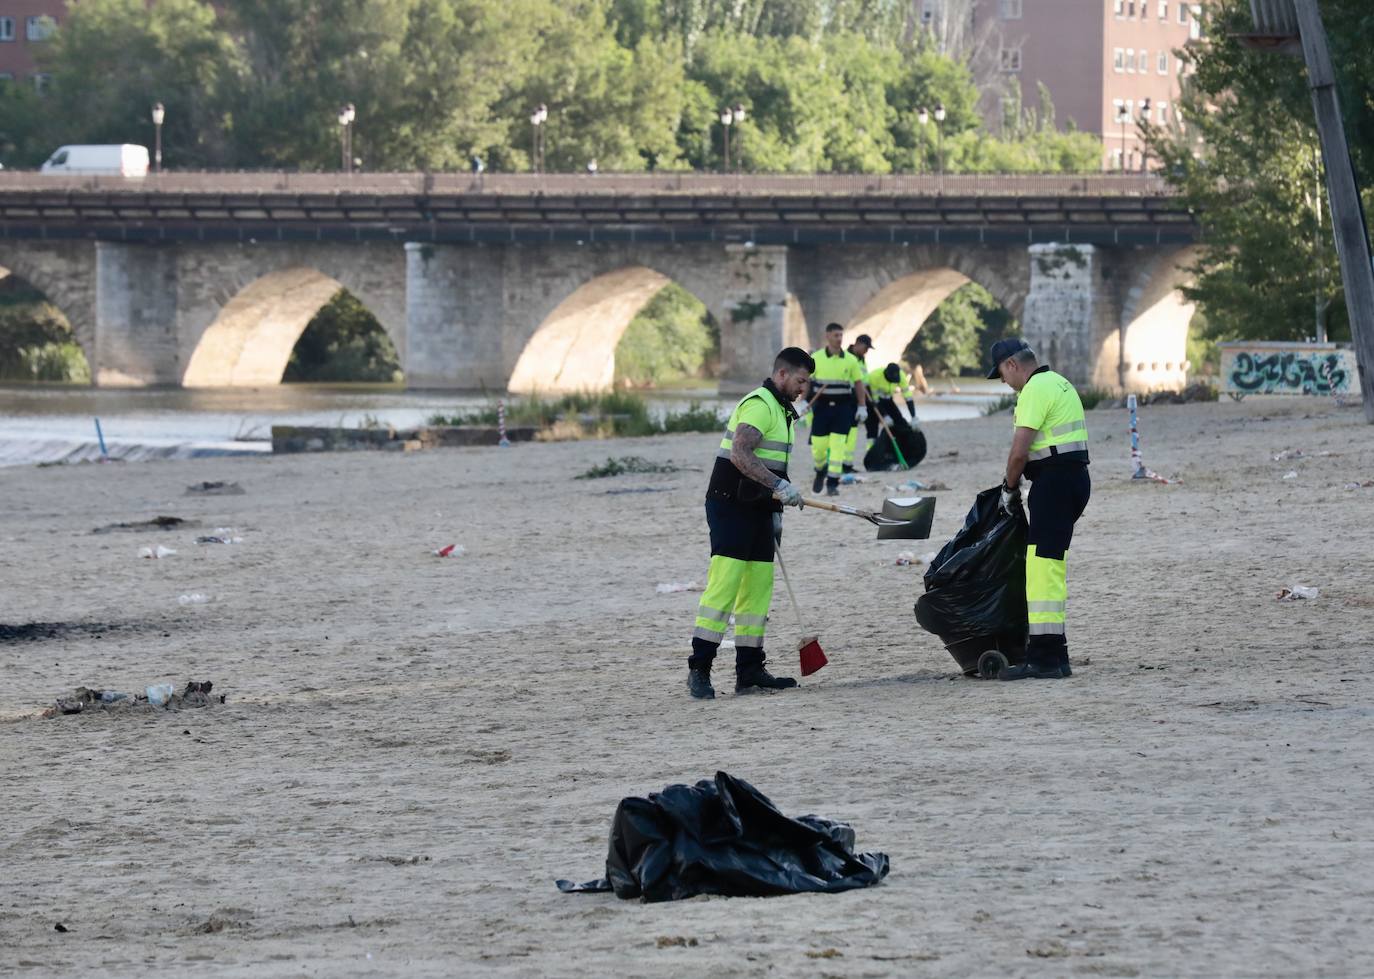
904,519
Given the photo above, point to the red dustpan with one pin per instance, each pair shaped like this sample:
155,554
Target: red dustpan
812,656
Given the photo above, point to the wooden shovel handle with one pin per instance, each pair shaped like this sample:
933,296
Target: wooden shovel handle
838,508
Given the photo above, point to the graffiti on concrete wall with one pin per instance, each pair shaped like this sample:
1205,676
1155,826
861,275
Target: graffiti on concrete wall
1263,369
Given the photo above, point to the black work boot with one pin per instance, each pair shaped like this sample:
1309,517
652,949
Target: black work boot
1064,668
1032,669
847,467
699,684
818,483
750,679
832,486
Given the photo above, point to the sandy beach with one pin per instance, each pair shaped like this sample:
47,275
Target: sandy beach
412,749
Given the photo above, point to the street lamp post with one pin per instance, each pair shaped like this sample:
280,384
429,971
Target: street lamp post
537,119
159,113
737,116
940,139
346,116
727,116
1122,116
923,117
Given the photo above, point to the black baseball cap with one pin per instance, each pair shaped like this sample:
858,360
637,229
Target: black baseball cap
1003,349
865,339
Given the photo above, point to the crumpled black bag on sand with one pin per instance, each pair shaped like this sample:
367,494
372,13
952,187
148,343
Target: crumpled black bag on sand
976,586
725,837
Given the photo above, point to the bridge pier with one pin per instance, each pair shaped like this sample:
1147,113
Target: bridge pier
454,316
136,342
756,313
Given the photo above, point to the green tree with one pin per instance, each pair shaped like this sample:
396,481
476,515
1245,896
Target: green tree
343,342
671,338
958,335
1245,159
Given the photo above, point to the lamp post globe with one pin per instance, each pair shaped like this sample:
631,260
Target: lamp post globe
159,113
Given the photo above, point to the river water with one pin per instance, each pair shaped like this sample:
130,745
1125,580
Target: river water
56,423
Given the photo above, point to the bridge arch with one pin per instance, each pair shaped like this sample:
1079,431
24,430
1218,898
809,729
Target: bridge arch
65,276
1149,349
903,297
240,327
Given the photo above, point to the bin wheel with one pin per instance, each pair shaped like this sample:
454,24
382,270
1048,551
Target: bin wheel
991,664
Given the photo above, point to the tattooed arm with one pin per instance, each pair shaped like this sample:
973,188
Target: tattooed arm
747,439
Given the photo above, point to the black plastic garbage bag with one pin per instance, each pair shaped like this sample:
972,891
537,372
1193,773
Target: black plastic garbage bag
912,442
725,837
975,598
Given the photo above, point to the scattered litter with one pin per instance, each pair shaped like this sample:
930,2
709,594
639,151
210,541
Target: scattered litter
159,693
157,523
929,556
195,598
905,558
916,486
222,535
1356,484
676,941
627,464
1289,454
215,489
849,479
1294,592
1291,474
156,553
164,695
451,550
637,489
669,587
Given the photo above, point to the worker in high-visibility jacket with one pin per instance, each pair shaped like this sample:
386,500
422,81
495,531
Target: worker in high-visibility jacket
860,348
838,400
885,385
744,501
1049,447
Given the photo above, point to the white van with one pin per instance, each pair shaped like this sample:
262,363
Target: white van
120,160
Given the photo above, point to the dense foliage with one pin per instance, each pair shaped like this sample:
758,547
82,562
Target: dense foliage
344,342
634,84
36,343
1247,158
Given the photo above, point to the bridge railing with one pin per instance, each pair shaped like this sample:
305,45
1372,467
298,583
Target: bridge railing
601,184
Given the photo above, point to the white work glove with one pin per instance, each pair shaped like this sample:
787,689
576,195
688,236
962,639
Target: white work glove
787,494
861,414
777,528
1004,502
887,420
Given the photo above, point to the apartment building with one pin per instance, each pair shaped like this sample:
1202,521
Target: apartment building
1105,63
25,26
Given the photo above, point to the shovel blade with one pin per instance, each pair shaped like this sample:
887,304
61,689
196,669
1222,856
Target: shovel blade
917,514
812,656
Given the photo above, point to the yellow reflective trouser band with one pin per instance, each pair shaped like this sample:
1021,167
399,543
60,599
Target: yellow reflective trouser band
828,452
1047,592
850,443
742,587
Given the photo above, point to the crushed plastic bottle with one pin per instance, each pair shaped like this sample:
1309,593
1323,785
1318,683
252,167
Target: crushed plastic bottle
195,598
110,696
156,553
451,550
159,694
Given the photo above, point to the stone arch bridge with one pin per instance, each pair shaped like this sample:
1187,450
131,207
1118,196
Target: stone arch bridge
527,282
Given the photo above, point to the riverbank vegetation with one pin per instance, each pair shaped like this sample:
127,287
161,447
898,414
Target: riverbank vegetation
36,342
589,415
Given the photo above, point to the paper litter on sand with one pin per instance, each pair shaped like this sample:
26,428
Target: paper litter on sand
668,587
1293,592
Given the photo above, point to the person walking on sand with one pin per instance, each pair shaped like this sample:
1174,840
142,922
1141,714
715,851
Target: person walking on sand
838,401
744,501
1049,446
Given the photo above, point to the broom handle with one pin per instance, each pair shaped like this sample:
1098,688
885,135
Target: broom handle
777,550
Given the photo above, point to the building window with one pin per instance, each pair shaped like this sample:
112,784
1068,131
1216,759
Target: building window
6,28
1195,24
1130,59
1130,8
1119,7
41,81
1009,108
1163,62
1116,159
1183,13
40,28
1163,9
1009,59
1143,62
1011,9
1163,113
1118,60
